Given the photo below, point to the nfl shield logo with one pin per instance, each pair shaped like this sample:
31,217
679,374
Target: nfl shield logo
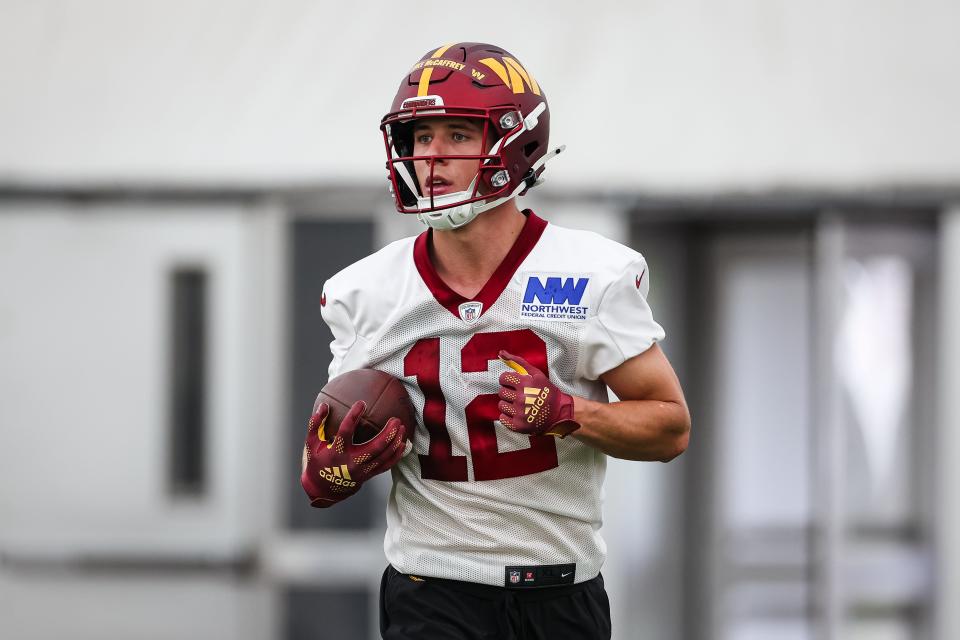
514,577
470,311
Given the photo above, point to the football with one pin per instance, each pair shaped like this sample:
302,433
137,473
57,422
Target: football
385,396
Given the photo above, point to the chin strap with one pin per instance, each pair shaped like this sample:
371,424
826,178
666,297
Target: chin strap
529,183
456,217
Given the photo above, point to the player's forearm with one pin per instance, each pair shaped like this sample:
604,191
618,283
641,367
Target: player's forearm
633,429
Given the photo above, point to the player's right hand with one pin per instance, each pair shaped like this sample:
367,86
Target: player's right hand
334,470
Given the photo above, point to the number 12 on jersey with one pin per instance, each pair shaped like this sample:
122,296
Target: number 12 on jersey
423,362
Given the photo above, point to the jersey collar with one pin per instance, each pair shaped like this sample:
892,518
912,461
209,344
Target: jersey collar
522,246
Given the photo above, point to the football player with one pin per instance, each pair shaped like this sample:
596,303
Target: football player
506,331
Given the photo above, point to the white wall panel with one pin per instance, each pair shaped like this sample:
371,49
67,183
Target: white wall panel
84,366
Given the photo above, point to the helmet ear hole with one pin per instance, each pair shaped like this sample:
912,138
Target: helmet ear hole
403,138
530,148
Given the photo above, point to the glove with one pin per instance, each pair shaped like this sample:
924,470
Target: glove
333,471
531,404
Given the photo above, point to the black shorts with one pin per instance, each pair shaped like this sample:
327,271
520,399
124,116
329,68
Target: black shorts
427,608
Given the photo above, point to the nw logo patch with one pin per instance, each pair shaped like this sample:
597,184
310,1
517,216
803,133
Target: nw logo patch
555,290
556,298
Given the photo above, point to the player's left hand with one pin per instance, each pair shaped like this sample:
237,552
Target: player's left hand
530,403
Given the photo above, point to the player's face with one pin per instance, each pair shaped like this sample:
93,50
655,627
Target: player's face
446,136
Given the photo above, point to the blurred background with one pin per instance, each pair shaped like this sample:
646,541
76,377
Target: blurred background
177,180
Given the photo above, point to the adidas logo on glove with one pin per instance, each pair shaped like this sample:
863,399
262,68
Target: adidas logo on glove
534,398
335,476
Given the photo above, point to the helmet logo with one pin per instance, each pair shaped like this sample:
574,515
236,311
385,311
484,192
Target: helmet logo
512,73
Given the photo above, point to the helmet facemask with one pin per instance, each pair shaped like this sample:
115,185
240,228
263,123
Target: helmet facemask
492,183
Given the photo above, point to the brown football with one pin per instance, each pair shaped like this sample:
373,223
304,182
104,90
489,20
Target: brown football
385,396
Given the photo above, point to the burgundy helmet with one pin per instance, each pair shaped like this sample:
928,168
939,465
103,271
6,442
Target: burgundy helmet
477,81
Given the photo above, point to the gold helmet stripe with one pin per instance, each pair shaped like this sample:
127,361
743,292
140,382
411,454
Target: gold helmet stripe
424,87
442,50
516,66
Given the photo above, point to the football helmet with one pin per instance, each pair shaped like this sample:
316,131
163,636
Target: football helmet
484,83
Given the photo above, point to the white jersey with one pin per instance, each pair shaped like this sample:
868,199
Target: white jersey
473,500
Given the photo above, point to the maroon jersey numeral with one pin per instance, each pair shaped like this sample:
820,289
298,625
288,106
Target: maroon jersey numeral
423,361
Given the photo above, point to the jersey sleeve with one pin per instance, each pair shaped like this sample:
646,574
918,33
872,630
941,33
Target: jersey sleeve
337,316
623,325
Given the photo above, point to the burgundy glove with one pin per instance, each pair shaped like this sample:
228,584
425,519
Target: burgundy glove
531,404
335,470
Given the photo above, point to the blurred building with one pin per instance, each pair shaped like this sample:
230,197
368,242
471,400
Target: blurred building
178,180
